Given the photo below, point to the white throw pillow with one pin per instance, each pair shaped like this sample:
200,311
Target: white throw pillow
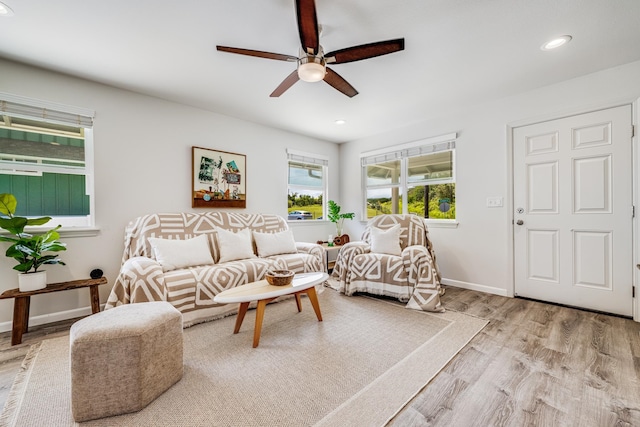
386,241
173,253
234,246
275,243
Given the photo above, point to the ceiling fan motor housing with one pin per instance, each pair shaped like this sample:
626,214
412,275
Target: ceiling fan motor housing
311,68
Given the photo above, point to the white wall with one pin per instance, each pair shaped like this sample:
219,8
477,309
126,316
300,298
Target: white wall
477,254
143,165
143,151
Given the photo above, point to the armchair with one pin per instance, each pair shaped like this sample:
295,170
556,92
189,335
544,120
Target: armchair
395,258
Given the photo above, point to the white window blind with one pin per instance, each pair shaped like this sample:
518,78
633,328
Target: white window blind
314,159
407,152
16,106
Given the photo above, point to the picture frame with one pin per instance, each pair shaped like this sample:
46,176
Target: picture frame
219,179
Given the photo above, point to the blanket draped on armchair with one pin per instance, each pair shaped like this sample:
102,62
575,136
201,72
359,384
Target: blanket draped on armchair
413,276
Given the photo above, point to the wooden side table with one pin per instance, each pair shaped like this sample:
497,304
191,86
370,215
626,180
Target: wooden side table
23,301
331,254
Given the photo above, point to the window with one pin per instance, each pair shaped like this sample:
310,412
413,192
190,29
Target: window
46,159
416,178
307,186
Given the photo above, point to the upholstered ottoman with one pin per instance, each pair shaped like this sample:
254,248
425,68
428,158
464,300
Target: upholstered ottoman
124,358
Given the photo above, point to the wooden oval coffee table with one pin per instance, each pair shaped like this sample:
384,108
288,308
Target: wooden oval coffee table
262,292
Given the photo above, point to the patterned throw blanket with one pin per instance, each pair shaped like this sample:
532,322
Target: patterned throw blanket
413,276
191,290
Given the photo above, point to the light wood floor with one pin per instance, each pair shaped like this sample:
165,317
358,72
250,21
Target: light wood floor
535,364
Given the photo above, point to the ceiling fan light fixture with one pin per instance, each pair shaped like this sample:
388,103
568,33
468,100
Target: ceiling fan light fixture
311,69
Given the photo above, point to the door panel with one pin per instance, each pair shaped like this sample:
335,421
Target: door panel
543,255
592,266
543,188
592,183
573,198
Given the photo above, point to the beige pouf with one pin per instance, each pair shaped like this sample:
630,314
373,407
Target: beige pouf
124,358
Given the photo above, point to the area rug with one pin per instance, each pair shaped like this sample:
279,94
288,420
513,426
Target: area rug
360,366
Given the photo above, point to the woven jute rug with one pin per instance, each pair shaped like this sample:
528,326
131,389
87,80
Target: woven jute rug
359,367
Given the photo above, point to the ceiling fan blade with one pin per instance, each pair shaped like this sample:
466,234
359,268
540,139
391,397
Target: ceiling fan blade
286,84
365,51
308,26
258,53
336,80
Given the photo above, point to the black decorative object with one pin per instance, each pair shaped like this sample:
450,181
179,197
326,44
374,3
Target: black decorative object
96,273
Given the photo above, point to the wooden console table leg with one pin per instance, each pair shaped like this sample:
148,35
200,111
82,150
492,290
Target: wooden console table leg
298,302
95,299
20,319
313,297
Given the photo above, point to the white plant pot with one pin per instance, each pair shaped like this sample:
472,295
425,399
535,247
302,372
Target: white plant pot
32,281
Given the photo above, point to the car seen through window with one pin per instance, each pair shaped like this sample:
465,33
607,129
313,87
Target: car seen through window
296,215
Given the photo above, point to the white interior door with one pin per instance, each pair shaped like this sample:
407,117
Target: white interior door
573,210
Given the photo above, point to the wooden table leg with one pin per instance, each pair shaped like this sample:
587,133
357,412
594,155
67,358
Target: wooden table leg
241,312
259,316
20,319
95,299
313,297
298,302
27,305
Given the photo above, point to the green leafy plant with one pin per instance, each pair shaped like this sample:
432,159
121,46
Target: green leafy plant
29,250
338,218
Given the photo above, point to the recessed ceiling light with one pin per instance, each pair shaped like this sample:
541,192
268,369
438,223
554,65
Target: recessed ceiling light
340,121
557,42
5,10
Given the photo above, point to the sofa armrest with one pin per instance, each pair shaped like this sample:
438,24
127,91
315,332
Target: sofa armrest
315,250
309,248
141,279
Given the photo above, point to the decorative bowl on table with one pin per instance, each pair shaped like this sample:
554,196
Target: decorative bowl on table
279,277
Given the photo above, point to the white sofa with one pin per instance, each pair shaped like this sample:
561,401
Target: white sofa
188,258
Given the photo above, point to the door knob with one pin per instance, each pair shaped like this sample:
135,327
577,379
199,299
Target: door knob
519,222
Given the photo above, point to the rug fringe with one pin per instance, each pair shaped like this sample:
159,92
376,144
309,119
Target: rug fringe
16,395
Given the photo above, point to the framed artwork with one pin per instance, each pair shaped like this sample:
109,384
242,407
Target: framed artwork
219,179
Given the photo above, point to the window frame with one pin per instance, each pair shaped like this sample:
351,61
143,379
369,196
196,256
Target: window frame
311,159
403,153
48,112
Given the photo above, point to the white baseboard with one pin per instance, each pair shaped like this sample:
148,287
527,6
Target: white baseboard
52,317
475,287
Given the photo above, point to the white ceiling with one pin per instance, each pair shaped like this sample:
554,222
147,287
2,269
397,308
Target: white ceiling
457,53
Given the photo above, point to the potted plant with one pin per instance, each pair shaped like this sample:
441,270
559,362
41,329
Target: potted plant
338,218
29,250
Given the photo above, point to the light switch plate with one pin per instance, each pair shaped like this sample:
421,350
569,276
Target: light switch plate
494,202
